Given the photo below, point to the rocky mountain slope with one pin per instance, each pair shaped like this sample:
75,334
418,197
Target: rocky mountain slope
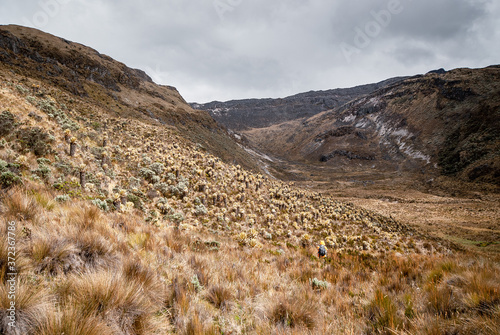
258,113
121,224
438,123
84,73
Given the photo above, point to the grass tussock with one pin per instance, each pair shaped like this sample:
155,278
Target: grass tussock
32,303
19,205
299,310
71,321
111,297
220,296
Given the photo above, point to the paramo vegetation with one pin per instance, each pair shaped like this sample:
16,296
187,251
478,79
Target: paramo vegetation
125,227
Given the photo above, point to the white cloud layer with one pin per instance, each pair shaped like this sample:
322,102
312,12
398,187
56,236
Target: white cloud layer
232,49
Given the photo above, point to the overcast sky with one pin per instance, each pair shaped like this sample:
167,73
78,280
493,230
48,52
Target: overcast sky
233,49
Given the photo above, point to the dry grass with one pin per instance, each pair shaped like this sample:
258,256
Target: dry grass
244,267
19,205
111,297
220,296
71,321
297,310
32,303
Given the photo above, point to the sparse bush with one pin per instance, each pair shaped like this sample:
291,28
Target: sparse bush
62,198
196,283
48,106
7,123
103,205
35,140
8,179
319,284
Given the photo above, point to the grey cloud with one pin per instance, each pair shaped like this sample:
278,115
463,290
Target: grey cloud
263,48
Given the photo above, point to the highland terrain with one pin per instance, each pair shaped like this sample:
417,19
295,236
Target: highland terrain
134,213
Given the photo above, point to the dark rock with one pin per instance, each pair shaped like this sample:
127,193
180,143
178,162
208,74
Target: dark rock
438,71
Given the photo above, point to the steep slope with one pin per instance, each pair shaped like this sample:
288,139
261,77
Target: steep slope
258,113
101,81
120,225
135,230
439,123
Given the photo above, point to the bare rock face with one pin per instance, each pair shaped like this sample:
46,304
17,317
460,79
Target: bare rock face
258,113
440,123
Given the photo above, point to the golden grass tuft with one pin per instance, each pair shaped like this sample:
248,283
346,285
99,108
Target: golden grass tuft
111,297
71,321
53,255
382,314
32,306
220,296
300,309
19,205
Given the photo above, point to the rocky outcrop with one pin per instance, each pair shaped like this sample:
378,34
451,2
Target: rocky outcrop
258,113
439,123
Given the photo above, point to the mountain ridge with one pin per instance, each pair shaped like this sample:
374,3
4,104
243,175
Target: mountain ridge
257,113
441,123
87,74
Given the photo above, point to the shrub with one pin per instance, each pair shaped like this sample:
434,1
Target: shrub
157,168
200,210
162,188
319,284
43,171
7,123
176,217
7,179
103,205
135,200
35,140
147,174
62,198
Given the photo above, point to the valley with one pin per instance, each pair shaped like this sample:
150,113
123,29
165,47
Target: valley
134,213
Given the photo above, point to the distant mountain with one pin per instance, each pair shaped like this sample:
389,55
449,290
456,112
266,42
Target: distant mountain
258,113
439,123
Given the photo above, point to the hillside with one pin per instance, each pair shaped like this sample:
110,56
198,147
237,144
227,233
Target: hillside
239,115
435,124
113,222
82,72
